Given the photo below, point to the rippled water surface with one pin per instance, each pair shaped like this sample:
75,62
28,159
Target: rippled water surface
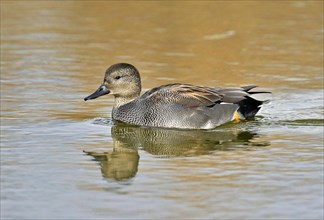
62,158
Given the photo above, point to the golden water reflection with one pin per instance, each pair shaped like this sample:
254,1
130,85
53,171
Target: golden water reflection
121,163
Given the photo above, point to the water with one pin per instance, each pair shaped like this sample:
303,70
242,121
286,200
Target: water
62,158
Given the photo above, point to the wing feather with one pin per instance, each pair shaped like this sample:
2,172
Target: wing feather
195,96
183,94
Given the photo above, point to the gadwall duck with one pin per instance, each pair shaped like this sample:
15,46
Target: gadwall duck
174,105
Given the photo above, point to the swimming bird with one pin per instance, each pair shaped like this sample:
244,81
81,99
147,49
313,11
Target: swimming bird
175,105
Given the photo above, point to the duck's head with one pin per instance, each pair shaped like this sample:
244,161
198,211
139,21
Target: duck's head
121,80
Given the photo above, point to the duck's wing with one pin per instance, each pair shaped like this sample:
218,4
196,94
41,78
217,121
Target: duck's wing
196,96
234,95
184,94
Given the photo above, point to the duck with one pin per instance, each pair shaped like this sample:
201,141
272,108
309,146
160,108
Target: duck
176,105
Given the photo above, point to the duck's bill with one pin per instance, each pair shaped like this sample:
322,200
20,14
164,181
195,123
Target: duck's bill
102,90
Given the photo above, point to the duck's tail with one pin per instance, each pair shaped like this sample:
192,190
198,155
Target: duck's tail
250,106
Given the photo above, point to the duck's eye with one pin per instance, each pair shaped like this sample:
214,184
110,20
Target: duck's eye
117,77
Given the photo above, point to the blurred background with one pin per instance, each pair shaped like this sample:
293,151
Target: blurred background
62,158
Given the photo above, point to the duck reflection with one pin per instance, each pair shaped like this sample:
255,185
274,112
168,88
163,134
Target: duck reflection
122,162
173,143
119,164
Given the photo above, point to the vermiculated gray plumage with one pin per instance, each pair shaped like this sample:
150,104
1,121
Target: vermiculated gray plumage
174,105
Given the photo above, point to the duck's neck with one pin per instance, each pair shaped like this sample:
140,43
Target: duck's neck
119,101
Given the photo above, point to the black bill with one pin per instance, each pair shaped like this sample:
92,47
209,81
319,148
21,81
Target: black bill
102,90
